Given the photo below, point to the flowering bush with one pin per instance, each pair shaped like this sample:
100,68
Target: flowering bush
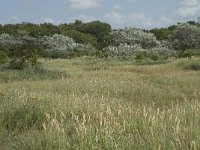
132,36
60,46
185,37
8,40
138,43
124,49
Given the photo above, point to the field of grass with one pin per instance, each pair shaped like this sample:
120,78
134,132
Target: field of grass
88,103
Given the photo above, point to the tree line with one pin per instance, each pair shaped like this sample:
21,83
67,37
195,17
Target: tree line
21,44
95,32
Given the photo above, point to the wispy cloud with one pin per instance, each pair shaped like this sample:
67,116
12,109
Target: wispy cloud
130,19
190,3
166,20
188,8
140,18
116,17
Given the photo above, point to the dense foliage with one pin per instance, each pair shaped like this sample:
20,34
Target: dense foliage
60,46
131,36
186,36
95,33
21,50
21,44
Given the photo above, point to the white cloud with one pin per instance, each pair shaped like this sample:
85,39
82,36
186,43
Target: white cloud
117,6
14,18
11,20
140,18
83,18
190,3
188,11
132,19
46,20
84,4
188,8
164,19
116,17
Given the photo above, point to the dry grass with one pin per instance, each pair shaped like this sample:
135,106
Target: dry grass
104,104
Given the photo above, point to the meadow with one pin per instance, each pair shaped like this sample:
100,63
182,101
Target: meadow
93,103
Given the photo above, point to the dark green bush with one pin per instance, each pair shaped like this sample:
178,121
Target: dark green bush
3,54
23,55
3,57
80,37
140,56
154,56
102,54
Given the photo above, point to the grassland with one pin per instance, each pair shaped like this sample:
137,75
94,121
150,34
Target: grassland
89,103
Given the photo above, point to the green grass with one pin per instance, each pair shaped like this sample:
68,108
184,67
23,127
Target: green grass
103,104
7,75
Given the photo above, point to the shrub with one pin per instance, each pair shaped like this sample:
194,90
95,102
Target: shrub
123,49
60,46
185,37
80,37
131,36
21,50
3,54
189,53
3,57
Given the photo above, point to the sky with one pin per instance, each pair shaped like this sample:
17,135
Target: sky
119,13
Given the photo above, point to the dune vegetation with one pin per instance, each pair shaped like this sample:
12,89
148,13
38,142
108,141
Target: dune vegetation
101,103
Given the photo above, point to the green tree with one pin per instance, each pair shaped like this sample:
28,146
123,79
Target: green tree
80,37
11,29
161,34
48,29
99,29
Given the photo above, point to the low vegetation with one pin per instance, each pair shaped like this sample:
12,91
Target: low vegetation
101,104
88,86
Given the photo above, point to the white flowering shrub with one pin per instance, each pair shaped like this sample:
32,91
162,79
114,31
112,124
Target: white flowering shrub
124,49
185,37
139,44
136,51
132,36
57,43
8,40
60,46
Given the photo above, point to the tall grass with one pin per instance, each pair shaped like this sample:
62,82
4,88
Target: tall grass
124,106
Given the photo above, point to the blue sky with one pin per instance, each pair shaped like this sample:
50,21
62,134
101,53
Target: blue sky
119,13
